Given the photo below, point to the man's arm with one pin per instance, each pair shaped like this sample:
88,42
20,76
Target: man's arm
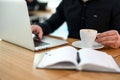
54,21
111,38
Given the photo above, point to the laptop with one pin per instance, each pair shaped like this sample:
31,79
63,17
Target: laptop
15,27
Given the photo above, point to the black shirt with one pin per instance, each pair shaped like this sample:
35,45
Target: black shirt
101,15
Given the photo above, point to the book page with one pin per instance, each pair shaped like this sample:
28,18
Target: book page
95,60
59,58
37,58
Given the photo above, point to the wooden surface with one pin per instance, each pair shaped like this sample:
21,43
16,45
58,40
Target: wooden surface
16,63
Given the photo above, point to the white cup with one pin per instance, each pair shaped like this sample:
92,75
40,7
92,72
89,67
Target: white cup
88,37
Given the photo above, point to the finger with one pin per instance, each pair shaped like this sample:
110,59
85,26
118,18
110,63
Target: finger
110,44
33,29
40,35
107,33
110,38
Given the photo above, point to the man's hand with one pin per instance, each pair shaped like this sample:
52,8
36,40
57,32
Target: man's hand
37,30
30,1
109,38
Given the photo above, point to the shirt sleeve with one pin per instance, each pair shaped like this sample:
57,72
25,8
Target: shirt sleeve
54,21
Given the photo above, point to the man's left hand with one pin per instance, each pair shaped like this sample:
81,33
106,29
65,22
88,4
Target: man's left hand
109,38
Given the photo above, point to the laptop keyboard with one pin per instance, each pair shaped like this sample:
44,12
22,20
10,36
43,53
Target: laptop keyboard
39,43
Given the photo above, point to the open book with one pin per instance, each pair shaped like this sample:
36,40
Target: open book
70,58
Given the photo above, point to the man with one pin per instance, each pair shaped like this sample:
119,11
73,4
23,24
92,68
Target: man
102,15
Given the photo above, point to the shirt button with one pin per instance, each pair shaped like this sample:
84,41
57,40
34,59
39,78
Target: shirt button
83,18
95,16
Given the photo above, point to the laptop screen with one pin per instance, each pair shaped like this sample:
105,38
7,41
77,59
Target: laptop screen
15,24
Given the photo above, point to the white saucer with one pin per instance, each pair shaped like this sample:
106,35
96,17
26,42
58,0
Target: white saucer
96,45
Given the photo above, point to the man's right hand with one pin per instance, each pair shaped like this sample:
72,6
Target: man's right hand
37,30
30,1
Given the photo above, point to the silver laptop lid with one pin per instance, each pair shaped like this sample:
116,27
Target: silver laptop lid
14,19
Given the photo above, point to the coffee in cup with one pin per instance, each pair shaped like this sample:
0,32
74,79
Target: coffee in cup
88,37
